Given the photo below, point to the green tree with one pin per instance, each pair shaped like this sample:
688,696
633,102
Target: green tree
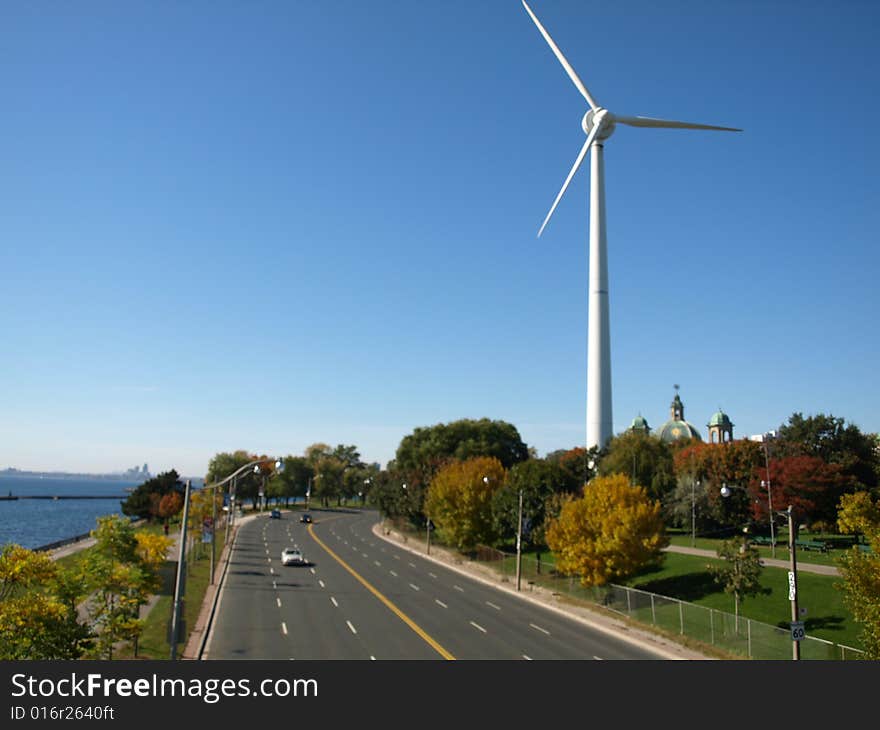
224,464
835,442
740,573
538,480
611,532
144,501
293,480
646,459
422,453
459,501
860,514
580,464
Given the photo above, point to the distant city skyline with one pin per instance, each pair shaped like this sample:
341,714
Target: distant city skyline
213,242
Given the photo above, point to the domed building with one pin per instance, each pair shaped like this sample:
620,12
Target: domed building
640,424
676,427
720,428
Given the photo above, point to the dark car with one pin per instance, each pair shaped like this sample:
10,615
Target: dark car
275,514
306,518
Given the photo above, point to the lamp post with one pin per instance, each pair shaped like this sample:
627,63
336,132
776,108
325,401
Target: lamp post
769,497
519,522
792,574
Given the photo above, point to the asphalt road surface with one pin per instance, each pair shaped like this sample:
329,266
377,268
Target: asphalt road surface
361,597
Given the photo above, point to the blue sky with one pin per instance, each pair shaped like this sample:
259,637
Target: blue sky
261,225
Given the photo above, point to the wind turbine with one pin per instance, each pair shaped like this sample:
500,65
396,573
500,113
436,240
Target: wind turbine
599,124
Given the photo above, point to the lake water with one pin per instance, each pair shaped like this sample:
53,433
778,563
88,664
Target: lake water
35,522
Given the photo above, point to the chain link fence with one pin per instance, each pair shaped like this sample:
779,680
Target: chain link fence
734,634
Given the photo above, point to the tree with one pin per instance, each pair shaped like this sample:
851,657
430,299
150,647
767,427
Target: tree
735,463
835,442
37,621
611,532
425,451
807,483
459,501
741,571
580,464
170,505
123,569
647,460
144,501
860,514
294,479
538,480
225,464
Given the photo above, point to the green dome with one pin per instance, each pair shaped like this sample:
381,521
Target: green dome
674,430
720,419
639,424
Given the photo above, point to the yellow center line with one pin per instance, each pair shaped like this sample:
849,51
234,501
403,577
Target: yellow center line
391,607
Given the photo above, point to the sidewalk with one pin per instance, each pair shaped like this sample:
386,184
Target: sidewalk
618,628
802,567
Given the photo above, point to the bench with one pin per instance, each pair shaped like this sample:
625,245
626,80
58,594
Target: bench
812,545
761,540
865,548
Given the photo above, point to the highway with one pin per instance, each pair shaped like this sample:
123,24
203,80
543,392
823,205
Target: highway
362,597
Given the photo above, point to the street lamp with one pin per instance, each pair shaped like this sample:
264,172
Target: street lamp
792,574
179,584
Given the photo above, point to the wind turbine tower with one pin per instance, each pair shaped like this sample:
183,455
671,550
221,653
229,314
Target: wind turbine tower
599,124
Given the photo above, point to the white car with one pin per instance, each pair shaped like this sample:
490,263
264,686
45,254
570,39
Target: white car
292,556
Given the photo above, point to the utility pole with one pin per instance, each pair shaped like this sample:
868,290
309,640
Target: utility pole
428,537
792,581
213,530
770,500
181,571
519,543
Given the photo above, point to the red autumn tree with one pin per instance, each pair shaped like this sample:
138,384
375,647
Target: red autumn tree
806,483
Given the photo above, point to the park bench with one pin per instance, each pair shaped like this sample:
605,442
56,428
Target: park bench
761,540
812,545
864,548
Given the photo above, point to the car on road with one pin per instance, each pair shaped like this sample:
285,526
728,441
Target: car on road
275,514
306,518
292,556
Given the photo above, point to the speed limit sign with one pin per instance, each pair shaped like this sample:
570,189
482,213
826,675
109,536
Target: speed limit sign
797,630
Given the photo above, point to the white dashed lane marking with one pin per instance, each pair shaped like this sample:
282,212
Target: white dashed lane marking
543,631
440,603
321,583
393,573
284,628
333,601
478,627
414,587
278,601
353,629
459,588
489,603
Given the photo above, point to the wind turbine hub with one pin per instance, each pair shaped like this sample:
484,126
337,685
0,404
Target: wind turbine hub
602,117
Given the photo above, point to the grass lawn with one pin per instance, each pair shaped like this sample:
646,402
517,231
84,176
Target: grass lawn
803,556
154,639
685,577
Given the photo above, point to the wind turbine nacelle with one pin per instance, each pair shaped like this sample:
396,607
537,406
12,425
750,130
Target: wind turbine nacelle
594,116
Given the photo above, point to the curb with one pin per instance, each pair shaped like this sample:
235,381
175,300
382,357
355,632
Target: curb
665,648
201,633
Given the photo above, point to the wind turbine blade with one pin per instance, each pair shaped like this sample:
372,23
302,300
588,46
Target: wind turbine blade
565,64
574,169
668,124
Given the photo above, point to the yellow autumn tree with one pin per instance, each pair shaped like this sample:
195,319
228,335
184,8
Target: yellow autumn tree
459,500
611,532
859,513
